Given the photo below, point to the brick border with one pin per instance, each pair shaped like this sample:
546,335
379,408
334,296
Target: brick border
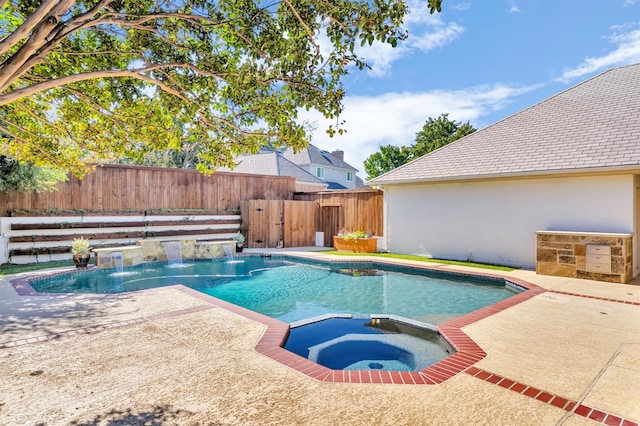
551,399
467,353
586,296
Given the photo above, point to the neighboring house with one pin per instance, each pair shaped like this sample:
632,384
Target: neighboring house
568,163
327,166
360,183
273,163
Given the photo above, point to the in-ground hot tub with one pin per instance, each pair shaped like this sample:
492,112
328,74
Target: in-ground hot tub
382,343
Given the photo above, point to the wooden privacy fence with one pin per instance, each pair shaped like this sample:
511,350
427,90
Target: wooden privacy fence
272,214
352,210
294,223
279,223
116,188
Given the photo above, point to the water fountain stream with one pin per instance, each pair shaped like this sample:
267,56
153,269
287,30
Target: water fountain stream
117,259
173,251
228,252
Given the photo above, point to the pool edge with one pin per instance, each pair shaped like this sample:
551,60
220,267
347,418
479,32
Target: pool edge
468,352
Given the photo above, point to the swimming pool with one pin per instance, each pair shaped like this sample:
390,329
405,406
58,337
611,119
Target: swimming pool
364,344
291,290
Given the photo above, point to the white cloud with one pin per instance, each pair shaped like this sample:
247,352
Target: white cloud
441,37
461,6
395,118
419,14
380,57
626,52
426,31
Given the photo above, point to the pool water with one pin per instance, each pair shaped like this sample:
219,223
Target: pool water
353,344
152,275
292,291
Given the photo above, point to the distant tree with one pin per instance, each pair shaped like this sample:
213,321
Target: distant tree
388,158
25,177
185,158
435,134
85,80
183,155
438,133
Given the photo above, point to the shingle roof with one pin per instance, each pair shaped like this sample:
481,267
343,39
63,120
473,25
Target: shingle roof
335,185
360,183
594,125
314,155
273,164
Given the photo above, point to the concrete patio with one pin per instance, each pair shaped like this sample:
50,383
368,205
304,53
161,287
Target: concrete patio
163,356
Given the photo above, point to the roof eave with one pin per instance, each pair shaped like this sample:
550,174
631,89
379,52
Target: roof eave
514,175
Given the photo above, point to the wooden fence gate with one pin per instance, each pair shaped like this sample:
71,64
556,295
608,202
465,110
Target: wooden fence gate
262,223
330,223
279,223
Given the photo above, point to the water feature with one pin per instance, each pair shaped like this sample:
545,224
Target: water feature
116,256
229,253
173,250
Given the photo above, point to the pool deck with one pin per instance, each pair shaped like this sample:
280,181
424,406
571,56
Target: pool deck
568,355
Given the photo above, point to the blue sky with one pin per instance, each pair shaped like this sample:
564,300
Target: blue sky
480,61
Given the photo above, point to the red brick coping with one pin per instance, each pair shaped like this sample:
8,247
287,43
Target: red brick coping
548,398
586,296
467,351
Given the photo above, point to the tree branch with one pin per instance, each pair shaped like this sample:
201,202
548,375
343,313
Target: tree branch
27,26
38,53
28,142
63,81
201,114
299,18
39,36
41,119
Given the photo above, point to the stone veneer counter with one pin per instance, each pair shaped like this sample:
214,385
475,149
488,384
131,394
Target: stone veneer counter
590,255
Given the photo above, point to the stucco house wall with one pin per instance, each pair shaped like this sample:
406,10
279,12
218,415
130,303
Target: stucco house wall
495,221
569,163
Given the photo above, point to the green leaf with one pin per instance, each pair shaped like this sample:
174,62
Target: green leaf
213,80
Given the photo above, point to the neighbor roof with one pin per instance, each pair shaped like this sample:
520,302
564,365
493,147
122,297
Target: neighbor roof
594,125
335,185
314,155
274,164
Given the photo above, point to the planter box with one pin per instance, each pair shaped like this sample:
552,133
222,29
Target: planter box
359,245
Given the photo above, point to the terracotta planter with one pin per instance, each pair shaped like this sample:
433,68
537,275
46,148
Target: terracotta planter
358,245
81,260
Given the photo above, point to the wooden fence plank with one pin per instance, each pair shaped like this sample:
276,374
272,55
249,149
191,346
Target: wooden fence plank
299,224
117,187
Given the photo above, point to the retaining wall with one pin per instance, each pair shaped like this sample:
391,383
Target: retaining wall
44,239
